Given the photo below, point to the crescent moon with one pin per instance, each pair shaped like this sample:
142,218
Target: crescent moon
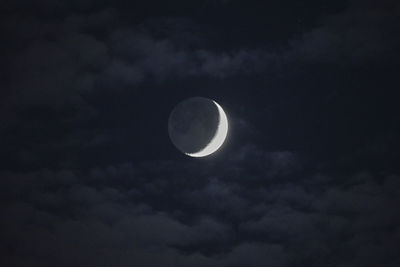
219,137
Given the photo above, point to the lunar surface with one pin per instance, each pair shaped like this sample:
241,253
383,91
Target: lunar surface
198,126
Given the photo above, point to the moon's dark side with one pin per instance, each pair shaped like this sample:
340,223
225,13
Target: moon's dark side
193,123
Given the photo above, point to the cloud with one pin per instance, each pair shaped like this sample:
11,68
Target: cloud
66,201
145,56
256,254
59,63
70,216
362,33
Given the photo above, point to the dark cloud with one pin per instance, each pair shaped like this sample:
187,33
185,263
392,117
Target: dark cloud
308,175
73,56
360,34
223,222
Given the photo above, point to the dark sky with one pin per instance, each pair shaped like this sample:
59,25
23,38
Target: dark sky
308,176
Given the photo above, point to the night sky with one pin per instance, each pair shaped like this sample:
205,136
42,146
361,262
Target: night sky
309,174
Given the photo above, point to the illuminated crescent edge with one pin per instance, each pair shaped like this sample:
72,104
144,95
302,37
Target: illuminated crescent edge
219,137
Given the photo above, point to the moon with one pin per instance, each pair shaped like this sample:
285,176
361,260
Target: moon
198,126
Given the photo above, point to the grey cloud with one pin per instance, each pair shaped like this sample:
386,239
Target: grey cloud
361,33
257,254
219,222
76,61
253,208
282,223
144,55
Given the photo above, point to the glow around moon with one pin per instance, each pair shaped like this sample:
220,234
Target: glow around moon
219,137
